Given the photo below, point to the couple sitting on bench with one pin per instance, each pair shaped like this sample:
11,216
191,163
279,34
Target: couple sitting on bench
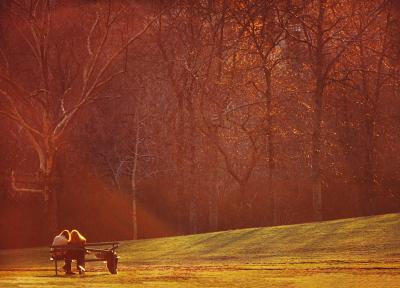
76,250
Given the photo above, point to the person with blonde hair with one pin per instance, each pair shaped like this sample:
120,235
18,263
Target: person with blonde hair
76,238
76,251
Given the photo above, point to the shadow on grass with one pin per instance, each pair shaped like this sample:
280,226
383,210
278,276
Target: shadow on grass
224,241
72,276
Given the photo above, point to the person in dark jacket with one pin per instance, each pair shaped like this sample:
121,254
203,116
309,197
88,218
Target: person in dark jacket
77,251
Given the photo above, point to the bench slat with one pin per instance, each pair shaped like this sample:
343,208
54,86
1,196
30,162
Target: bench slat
89,245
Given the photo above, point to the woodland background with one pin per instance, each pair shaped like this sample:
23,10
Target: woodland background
137,119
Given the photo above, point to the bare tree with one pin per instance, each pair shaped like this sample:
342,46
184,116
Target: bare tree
64,76
374,76
261,23
319,22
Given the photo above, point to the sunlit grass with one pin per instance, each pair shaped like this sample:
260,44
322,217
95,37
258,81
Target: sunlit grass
363,252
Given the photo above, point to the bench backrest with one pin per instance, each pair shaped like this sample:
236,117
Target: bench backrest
73,247
99,246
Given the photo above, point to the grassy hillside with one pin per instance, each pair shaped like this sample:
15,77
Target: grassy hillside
376,237
355,251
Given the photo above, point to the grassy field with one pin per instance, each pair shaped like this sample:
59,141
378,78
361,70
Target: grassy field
360,252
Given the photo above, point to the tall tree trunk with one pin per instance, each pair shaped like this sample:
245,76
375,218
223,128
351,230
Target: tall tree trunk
269,145
51,205
213,191
50,195
180,156
213,208
213,196
194,199
368,173
316,154
134,184
369,165
245,207
134,210
317,116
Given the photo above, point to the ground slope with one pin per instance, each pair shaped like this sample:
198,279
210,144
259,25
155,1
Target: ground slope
362,239
358,252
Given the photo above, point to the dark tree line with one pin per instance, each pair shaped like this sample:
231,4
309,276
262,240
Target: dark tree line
140,119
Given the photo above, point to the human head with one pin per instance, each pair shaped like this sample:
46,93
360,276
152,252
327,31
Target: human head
65,233
76,237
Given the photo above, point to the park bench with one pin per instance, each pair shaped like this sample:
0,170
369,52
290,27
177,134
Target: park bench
101,251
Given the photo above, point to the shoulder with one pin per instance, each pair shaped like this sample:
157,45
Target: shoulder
60,240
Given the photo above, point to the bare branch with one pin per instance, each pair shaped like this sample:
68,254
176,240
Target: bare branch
3,55
96,22
115,55
111,77
15,115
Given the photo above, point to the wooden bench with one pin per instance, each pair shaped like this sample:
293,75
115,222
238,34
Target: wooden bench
102,251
